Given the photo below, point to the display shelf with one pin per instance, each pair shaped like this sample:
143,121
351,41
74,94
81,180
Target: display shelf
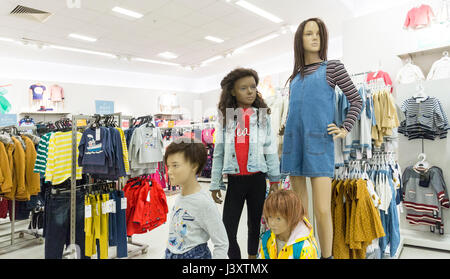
174,116
422,52
44,113
425,239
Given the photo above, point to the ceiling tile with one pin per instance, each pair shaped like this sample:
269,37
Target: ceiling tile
174,11
141,6
219,9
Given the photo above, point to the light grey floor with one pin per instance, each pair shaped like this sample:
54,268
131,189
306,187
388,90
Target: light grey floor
157,239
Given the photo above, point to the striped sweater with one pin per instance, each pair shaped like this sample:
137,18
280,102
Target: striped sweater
424,119
42,150
59,160
337,75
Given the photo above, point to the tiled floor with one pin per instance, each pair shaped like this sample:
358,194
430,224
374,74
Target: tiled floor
156,241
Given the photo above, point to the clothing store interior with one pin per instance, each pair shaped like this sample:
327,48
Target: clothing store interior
352,98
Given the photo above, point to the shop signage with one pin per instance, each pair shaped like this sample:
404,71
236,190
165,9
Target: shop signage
104,107
8,120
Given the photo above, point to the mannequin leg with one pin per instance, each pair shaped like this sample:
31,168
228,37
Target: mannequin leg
321,187
298,184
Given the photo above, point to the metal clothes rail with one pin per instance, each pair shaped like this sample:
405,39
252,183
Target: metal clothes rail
81,121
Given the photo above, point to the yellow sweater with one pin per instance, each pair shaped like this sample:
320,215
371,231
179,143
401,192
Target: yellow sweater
32,179
6,175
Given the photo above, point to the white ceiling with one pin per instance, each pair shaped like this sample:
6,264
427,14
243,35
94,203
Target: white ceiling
178,26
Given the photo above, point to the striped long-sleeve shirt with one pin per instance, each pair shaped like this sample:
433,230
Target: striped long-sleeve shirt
42,150
337,75
59,159
424,120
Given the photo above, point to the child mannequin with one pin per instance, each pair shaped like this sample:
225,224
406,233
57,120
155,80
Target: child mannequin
291,235
245,150
195,218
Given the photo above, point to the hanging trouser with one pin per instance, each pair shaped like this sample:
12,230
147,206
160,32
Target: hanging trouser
89,226
102,235
57,232
121,225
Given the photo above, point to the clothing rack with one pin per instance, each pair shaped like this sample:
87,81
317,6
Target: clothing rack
21,234
77,122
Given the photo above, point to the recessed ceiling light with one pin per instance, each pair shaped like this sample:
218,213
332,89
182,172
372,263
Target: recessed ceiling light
82,37
254,9
212,59
127,12
214,39
3,39
82,51
257,42
168,55
155,61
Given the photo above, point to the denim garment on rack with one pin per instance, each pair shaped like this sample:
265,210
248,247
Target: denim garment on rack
390,221
57,229
308,149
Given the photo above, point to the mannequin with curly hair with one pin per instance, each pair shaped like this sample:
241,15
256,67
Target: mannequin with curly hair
245,150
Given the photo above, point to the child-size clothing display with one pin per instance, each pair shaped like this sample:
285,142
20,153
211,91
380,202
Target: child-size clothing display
424,195
301,244
308,150
145,150
56,94
425,119
146,205
419,17
195,220
440,69
409,73
38,91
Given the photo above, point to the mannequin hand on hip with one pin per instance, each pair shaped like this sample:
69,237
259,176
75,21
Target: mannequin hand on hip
216,195
336,131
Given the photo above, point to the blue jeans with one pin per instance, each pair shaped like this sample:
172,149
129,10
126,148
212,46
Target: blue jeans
198,252
118,226
57,233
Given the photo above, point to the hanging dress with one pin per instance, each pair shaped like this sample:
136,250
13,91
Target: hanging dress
308,150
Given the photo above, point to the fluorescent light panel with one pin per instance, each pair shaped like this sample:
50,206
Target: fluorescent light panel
127,12
257,42
214,39
254,9
82,37
155,61
212,59
82,51
3,39
168,55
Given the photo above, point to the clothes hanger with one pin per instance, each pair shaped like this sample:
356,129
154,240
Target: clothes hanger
422,165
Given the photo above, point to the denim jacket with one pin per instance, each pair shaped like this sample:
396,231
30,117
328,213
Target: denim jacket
262,154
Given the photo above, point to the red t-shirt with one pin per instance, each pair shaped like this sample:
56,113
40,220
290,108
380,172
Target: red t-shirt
242,143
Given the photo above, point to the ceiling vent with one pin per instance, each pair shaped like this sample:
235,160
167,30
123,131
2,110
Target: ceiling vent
30,13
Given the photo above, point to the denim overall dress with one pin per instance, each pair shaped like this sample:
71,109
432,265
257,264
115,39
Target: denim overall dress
308,150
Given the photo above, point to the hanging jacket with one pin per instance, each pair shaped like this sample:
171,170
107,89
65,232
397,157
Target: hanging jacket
301,244
6,176
21,193
32,179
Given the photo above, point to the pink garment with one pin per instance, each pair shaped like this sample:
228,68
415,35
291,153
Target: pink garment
420,16
380,74
56,93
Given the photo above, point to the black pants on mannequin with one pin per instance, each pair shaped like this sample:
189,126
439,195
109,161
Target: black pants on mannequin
241,189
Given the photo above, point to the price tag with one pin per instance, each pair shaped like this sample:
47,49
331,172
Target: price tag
87,211
113,206
81,122
148,196
123,203
97,134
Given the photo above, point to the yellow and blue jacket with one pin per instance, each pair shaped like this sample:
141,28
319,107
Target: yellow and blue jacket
301,244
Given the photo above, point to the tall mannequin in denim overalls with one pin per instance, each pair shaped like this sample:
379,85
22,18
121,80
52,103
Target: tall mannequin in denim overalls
308,150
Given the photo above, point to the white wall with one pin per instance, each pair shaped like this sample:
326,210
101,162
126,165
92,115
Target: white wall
80,98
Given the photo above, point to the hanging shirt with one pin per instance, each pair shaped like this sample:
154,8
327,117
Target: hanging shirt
59,160
419,17
38,91
409,73
380,75
56,93
440,69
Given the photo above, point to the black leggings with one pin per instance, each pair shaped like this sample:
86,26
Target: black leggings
250,188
